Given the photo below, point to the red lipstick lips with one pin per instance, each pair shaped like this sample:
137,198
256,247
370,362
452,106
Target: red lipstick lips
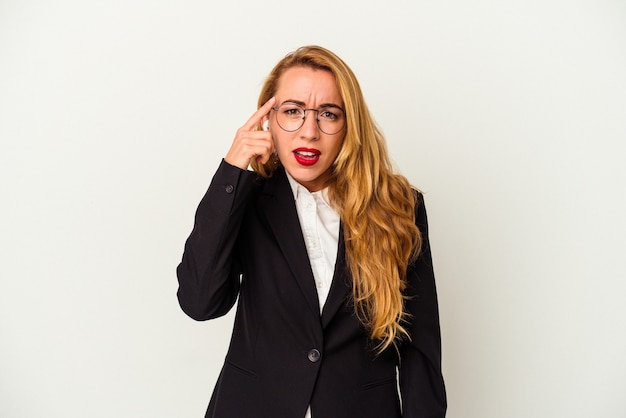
306,156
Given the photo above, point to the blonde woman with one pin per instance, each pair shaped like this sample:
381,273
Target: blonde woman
325,250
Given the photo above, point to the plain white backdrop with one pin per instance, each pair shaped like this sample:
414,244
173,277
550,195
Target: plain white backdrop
510,116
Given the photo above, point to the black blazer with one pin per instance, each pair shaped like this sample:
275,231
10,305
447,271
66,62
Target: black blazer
284,355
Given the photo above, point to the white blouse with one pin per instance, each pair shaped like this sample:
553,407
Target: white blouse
320,229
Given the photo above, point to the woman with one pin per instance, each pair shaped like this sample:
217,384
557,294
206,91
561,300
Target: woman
326,249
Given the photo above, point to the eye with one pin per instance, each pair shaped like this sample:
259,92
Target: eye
329,114
292,111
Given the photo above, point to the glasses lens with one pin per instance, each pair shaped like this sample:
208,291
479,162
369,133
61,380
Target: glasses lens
291,117
330,120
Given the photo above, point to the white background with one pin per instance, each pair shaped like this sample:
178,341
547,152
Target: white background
510,115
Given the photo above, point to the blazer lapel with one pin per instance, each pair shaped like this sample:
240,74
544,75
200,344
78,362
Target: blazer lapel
279,208
341,285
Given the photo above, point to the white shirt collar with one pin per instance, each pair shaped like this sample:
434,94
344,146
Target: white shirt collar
297,188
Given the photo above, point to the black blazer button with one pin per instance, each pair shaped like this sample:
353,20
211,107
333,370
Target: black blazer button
229,188
314,356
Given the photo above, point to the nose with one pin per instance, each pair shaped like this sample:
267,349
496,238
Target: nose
310,129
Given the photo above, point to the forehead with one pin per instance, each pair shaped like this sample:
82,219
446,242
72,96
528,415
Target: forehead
308,85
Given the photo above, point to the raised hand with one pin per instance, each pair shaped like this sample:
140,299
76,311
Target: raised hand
250,142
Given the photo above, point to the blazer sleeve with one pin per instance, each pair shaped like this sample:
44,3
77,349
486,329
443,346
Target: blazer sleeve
209,273
421,382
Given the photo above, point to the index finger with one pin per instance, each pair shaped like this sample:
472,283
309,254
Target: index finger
256,117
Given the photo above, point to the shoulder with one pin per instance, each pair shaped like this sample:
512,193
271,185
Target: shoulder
420,207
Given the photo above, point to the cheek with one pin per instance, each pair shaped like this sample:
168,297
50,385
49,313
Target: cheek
281,143
337,149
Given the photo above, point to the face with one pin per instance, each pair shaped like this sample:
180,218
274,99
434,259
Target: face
307,153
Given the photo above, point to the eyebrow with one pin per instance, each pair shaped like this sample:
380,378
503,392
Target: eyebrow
323,105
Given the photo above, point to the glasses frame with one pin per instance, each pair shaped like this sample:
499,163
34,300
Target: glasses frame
317,118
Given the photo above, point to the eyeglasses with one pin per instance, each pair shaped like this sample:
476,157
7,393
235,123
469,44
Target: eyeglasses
291,116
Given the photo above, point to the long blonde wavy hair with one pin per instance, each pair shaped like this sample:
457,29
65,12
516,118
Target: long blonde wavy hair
376,206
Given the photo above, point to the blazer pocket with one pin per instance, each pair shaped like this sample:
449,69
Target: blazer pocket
380,382
242,370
